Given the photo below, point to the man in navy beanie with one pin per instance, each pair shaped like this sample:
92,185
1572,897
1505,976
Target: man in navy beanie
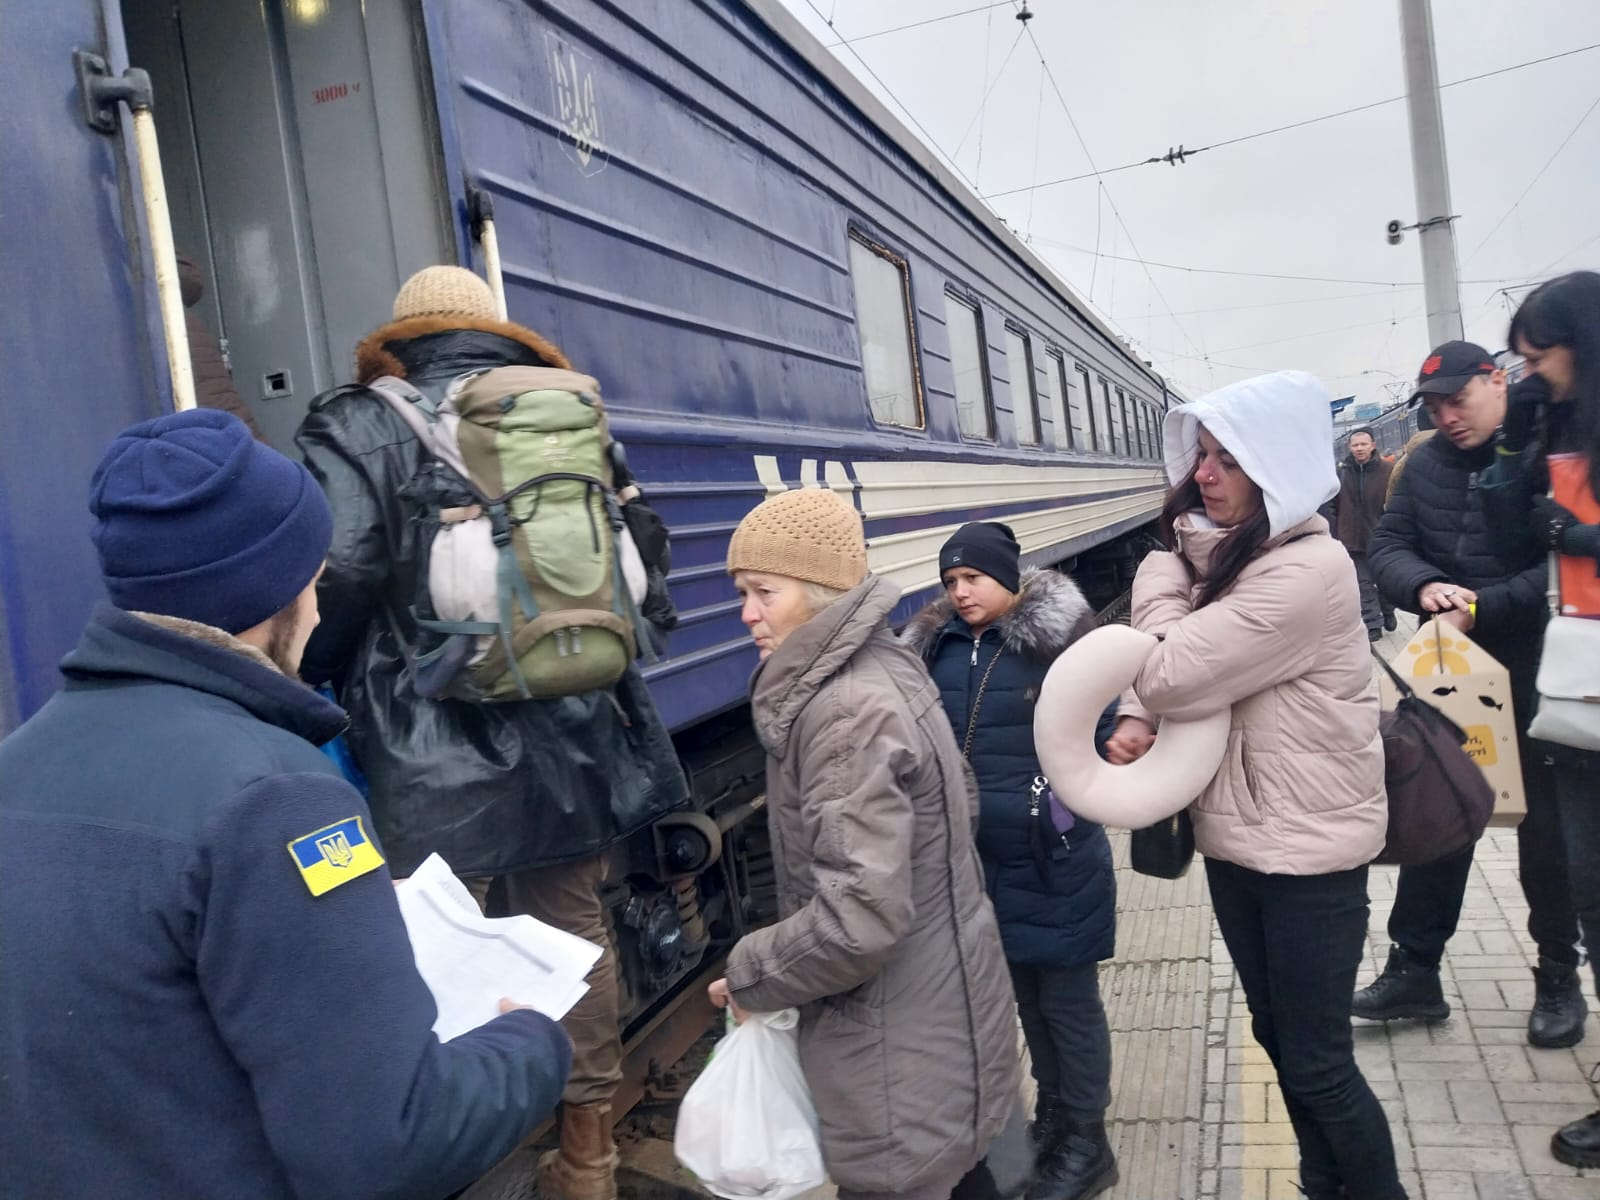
219,997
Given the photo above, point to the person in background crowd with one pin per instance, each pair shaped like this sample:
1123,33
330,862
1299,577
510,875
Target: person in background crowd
885,941
219,996
536,790
1363,484
1413,443
1434,553
988,645
1259,616
213,382
1551,437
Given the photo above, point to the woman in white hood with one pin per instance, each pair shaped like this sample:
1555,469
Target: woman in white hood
1259,614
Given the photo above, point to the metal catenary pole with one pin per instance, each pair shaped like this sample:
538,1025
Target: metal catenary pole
1435,222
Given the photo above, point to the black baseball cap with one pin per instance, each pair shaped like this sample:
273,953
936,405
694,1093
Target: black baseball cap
1448,368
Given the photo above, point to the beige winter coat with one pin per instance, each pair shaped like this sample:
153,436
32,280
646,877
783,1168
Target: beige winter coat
886,943
1300,790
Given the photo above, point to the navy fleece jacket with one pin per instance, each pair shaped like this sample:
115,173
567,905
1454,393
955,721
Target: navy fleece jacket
179,1015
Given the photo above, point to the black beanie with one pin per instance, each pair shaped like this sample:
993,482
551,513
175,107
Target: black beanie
985,546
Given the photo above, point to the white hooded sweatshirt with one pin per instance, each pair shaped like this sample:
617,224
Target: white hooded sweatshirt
1282,650
1278,427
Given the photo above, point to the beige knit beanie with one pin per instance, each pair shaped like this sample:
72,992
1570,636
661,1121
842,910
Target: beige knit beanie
808,533
445,292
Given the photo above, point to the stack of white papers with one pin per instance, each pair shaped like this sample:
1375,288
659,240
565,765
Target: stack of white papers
469,961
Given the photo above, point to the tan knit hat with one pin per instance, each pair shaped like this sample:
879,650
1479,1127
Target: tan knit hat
809,533
445,292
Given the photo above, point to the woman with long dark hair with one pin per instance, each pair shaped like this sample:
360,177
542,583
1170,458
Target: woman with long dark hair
1260,616
1543,486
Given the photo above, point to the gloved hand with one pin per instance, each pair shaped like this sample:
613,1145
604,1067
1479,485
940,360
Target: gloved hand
1523,403
1552,522
1581,541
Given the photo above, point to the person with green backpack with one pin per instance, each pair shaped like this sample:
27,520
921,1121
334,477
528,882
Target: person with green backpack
483,607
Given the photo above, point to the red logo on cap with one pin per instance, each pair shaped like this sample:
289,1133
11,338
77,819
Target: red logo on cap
1432,365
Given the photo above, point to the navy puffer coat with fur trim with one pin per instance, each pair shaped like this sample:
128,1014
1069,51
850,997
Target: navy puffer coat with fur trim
1054,896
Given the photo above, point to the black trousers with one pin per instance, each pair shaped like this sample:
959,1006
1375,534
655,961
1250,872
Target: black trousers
1296,942
1427,901
1578,799
1375,612
1069,1041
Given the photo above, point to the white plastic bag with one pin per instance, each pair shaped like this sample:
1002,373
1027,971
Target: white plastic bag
746,1127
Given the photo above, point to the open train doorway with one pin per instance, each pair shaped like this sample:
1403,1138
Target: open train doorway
300,146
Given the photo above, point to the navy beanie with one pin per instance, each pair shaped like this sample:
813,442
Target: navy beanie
985,546
194,518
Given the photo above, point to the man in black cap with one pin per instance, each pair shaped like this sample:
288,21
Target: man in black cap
1433,553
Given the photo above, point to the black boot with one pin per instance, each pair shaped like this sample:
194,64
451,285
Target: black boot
1049,1123
1081,1165
1577,1144
1408,987
1558,1006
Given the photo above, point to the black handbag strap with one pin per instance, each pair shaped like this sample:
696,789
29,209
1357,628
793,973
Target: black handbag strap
1400,685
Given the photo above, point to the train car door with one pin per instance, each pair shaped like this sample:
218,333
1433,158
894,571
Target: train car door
303,160
77,361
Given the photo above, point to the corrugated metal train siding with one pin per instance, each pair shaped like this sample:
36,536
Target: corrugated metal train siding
675,188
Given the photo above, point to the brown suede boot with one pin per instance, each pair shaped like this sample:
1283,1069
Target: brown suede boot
585,1167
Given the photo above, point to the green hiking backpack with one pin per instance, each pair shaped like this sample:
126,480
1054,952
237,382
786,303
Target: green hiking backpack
530,583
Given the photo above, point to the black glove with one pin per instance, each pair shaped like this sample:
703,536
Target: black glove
1551,522
1581,541
1523,404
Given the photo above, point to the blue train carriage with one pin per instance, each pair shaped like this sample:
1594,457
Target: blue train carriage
774,281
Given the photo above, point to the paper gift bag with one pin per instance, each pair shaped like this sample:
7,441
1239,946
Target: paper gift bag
1458,677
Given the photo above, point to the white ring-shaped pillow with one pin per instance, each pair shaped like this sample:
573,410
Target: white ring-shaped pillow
1090,673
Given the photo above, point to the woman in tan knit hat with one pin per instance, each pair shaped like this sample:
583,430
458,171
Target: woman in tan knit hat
887,943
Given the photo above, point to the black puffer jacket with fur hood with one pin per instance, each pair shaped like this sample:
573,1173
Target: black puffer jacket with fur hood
1055,897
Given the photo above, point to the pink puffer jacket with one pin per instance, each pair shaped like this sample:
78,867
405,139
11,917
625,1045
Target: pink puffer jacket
1300,790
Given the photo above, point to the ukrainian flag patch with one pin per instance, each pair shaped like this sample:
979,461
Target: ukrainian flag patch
334,855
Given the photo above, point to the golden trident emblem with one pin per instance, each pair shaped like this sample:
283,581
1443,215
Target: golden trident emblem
336,849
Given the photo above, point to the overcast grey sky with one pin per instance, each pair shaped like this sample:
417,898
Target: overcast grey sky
1141,76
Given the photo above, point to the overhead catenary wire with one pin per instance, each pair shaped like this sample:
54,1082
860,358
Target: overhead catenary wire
965,12
1226,308
927,137
1562,257
1151,262
1184,153
1532,183
1110,201
933,143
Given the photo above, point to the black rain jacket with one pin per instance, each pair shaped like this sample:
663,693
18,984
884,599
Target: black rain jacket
1437,528
491,787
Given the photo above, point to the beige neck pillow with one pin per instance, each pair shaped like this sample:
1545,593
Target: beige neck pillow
1090,673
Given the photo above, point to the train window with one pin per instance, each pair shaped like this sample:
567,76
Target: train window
1019,365
1103,435
1054,391
970,365
1081,401
882,287
1124,426
1136,412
